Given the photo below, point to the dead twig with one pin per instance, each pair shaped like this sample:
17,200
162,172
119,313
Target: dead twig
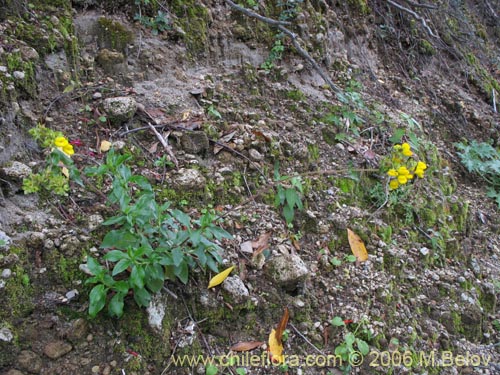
165,145
419,5
306,339
293,37
415,15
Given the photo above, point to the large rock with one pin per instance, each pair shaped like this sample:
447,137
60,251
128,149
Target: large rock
120,109
189,179
12,176
288,271
195,142
29,362
236,288
57,349
112,62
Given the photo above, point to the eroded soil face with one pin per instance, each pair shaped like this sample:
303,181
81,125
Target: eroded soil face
238,112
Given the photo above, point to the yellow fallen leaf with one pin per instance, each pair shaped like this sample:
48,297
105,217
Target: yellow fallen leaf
357,246
65,171
105,146
220,277
275,347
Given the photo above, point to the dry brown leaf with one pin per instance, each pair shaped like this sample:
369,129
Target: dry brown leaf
357,246
275,342
282,326
246,346
261,244
153,148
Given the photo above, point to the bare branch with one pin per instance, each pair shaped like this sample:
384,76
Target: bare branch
249,13
415,15
495,15
419,5
295,43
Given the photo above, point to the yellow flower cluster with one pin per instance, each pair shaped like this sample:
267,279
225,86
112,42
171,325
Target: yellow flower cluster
400,174
63,144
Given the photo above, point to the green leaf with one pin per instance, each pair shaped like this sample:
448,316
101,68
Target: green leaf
115,255
97,299
94,266
349,339
220,233
182,218
121,266
211,370
121,287
119,239
398,135
119,219
288,213
182,272
362,346
177,256
292,197
337,321
137,276
115,306
142,297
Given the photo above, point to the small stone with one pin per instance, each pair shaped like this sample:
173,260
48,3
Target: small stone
78,330
287,271
195,142
189,179
6,273
95,369
107,370
120,109
235,286
29,53
118,145
113,363
2,284
4,240
72,294
255,155
90,337
14,372
96,95
57,349
94,222
16,171
29,361
85,269
3,69
19,75
9,260
156,311
424,251
6,334
461,279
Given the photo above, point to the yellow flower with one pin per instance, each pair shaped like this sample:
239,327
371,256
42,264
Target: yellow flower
61,142
405,149
419,173
68,149
392,173
402,179
394,184
421,165
403,171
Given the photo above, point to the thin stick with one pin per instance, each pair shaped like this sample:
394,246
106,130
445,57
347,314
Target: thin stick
415,15
165,145
306,339
293,37
494,100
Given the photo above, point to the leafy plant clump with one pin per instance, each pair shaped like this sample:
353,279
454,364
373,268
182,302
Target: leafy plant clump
59,168
288,196
484,160
150,242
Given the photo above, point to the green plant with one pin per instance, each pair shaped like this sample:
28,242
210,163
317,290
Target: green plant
275,54
288,196
157,23
212,111
211,370
484,160
59,168
151,242
354,347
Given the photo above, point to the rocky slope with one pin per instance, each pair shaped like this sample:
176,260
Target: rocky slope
238,102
